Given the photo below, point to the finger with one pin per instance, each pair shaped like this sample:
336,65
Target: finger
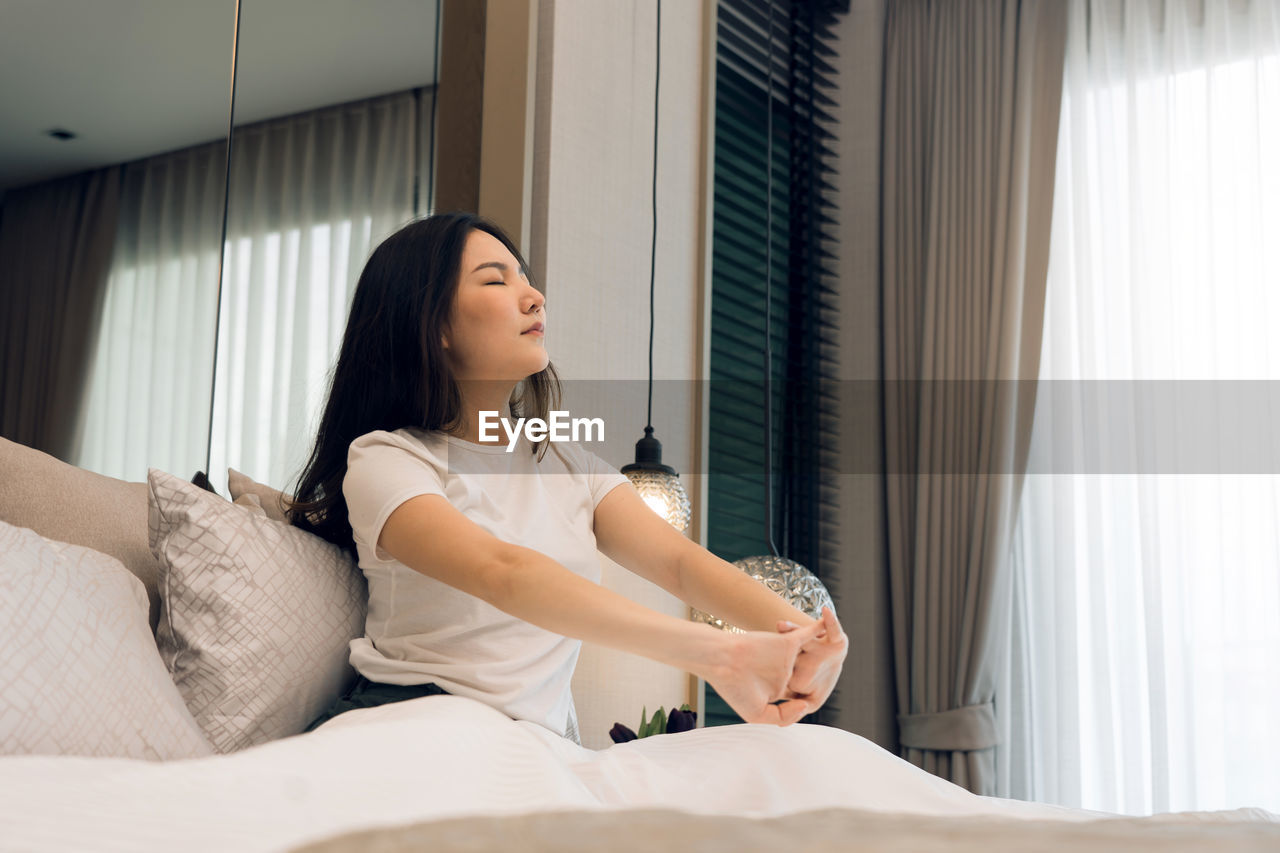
810,631
785,627
830,621
808,660
802,682
769,715
800,687
792,711
805,636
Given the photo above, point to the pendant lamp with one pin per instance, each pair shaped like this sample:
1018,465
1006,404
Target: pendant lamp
659,485
797,585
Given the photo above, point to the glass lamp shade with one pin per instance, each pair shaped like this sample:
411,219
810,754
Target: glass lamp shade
658,484
797,585
664,494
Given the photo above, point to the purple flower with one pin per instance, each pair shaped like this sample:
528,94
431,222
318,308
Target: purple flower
621,734
681,721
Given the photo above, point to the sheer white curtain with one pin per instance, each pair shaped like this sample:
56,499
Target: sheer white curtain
1147,607
311,196
147,398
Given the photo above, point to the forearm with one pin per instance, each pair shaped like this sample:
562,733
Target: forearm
537,589
715,586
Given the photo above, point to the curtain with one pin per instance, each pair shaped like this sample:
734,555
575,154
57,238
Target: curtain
311,196
55,250
1147,559
971,96
147,398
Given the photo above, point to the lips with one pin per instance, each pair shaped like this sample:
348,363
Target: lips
536,327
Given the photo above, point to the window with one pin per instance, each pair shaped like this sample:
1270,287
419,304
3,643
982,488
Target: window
802,302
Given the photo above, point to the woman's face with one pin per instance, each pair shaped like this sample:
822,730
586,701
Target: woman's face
495,330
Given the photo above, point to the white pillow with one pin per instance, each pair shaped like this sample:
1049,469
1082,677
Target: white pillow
255,615
78,665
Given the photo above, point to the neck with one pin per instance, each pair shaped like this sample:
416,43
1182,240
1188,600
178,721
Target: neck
483,396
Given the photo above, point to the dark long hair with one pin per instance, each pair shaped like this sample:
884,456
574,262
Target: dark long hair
392,371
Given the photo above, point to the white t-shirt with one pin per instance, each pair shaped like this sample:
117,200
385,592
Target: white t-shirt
422,630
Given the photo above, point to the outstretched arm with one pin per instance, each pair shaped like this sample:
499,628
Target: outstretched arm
633,535
749,671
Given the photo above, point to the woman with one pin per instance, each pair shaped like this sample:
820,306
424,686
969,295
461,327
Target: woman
482,569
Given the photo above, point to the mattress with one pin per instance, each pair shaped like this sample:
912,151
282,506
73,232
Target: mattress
447,764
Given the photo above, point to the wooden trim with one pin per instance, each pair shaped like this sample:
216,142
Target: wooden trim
506,146
706,205
460,94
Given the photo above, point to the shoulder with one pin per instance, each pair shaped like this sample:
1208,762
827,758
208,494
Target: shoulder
384,469
415,442
379,458
599,476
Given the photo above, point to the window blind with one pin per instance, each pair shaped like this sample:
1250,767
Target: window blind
799,284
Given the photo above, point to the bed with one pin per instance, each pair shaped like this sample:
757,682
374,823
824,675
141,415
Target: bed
162,650
450,774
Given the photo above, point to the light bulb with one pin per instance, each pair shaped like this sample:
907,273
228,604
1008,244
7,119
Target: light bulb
664,494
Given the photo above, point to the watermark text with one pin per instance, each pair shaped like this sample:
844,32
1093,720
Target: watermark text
560,427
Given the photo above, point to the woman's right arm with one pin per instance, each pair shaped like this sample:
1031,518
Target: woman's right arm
749,671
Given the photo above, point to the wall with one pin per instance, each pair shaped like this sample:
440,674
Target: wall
590,247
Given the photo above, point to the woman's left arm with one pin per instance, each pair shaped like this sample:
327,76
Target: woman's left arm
634,536
637,538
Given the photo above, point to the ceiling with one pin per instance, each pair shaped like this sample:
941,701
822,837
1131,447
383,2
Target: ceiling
134,78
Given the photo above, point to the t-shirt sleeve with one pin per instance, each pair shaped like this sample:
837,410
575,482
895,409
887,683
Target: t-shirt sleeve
602,477
383,471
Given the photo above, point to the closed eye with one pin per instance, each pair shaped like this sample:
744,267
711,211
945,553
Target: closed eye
494,282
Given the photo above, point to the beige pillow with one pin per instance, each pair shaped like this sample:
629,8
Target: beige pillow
78,663
256,616
69,504
273,501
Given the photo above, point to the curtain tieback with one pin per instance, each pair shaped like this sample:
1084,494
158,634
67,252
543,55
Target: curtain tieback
959,729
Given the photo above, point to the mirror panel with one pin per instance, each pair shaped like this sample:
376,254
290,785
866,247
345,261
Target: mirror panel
332,152
112,170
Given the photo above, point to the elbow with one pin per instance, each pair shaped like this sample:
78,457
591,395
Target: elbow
677,573
502,574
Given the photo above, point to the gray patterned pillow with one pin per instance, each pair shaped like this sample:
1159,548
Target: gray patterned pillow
78,663
255,615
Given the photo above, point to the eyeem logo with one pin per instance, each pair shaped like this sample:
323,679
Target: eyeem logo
536,429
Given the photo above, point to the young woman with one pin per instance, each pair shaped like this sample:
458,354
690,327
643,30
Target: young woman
481,564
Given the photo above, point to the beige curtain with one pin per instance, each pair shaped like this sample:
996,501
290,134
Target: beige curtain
971,99
56,242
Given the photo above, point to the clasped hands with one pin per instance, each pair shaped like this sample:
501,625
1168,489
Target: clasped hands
778,678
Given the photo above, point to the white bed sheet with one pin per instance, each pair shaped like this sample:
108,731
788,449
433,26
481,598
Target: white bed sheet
447,756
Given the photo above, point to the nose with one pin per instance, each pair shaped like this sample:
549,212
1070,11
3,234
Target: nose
536,300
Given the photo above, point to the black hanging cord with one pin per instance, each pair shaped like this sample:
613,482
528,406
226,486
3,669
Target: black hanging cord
222,240
431,128
653,242
768,297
